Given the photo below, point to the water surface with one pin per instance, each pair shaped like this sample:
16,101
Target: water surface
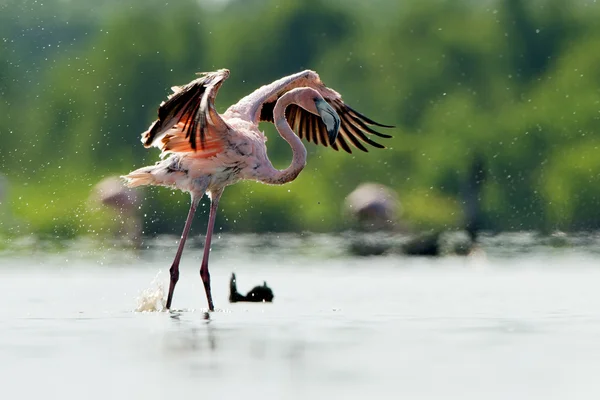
519,320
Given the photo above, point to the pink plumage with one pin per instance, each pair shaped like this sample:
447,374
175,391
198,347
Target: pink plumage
204,151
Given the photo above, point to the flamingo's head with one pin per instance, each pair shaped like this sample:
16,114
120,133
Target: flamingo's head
312,101
329,116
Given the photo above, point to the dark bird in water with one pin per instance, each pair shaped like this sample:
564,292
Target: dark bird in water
257,294
430,244
376,208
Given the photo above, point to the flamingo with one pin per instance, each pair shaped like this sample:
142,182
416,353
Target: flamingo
203,151
111,193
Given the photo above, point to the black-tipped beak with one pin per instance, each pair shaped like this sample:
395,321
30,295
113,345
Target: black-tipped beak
330,118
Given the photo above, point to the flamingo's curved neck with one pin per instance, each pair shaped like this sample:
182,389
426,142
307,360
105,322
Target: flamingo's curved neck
279,177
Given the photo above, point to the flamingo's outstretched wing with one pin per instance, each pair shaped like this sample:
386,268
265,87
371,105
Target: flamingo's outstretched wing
188,120
355,128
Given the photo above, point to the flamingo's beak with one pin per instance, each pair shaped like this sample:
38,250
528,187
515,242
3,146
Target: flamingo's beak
330,118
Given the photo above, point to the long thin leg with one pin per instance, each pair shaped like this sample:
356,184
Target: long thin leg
174,270
204,274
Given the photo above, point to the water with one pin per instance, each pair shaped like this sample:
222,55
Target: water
520,321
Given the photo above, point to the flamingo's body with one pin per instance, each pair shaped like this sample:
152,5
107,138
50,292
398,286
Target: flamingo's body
203,151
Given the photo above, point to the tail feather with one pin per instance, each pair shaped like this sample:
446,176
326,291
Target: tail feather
167,172
140,177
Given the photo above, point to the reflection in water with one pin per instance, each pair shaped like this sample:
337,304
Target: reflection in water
245,345
191,344
191,335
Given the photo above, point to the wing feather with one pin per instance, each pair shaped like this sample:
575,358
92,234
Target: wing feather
350,134
353,131
310,130
187,120
323,134
343,144
302,128
355,127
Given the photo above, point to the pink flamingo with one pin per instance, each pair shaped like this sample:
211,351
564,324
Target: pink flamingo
203,152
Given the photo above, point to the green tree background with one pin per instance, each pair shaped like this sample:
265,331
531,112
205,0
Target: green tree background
515,82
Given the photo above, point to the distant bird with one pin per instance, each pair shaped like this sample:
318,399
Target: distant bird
203,151
258,294
472,193
112,193
375,206
425,244
434,243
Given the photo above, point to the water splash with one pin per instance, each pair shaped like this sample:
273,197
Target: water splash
152,299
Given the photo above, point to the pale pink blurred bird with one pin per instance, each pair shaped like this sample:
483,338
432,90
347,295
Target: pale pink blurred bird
112,193
203,152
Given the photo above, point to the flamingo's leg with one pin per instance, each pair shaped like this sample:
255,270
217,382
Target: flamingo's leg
174,270
204,274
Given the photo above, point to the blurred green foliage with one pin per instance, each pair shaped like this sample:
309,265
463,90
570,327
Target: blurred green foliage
513,81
